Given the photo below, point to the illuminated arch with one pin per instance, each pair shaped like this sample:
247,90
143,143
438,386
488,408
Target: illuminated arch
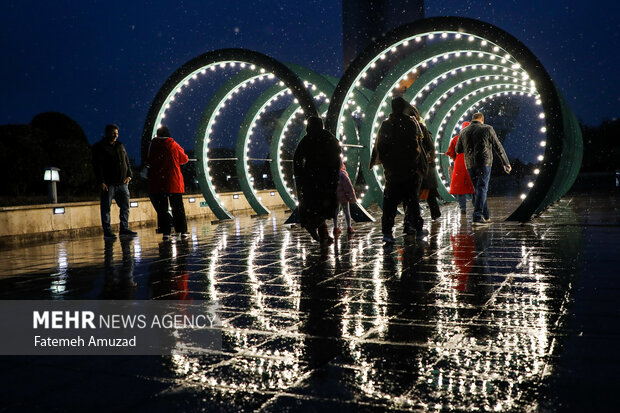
318,86
464,42
455,63
257,63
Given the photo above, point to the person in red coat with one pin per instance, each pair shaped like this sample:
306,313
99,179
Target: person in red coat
460,183
165,182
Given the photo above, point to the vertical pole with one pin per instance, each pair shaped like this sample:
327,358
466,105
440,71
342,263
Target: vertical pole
51,191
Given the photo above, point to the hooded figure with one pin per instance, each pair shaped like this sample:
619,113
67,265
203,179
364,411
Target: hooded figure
399,148
165,158
316,165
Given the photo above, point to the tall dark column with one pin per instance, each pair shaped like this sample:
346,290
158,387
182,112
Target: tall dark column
364,21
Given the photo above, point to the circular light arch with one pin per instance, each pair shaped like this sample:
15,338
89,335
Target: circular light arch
201,65
562,141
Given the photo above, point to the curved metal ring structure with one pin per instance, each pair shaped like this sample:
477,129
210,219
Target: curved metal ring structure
450,65
259,64
319,87
437,52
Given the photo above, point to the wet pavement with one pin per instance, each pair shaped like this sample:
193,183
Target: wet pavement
505,317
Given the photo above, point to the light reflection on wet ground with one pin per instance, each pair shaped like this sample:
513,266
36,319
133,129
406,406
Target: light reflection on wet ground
469,319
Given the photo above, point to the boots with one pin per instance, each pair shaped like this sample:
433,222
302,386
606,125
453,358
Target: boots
324,237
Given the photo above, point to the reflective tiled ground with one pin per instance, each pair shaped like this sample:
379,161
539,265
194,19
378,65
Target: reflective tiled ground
501,318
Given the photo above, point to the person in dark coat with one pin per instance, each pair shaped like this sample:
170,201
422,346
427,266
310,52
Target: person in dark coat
429,181
166,184
316,166
113,173
399,149
477,142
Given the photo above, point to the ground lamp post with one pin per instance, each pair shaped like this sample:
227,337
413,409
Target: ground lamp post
52,176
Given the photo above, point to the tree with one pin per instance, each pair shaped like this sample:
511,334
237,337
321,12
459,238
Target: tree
68,150
601,147
23,159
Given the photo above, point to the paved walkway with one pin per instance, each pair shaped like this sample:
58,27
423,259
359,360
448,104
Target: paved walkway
501,318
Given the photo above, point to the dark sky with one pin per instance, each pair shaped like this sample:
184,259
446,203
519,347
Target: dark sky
104,61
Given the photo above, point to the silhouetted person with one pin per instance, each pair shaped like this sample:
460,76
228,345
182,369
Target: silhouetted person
166,185
460,183
477,142
429,181
316,167
399,149
113,173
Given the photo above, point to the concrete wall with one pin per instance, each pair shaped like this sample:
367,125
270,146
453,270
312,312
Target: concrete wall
38,222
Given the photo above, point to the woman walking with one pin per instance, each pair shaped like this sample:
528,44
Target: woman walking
460,183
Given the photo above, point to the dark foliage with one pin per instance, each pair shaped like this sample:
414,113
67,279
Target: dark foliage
51,139
23,159
601,146
68,150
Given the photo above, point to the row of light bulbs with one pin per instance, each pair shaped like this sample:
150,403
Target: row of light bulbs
517,75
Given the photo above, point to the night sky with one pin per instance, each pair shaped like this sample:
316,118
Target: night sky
104,61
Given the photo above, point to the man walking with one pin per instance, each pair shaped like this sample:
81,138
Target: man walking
477,142
399,149
113,173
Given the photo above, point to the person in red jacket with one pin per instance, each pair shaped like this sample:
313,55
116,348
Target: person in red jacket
165,182
460,183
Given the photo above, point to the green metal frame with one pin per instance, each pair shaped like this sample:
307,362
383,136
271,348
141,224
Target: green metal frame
498,49
463,43
258,63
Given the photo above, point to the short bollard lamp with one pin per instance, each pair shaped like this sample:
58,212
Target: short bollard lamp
52,176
